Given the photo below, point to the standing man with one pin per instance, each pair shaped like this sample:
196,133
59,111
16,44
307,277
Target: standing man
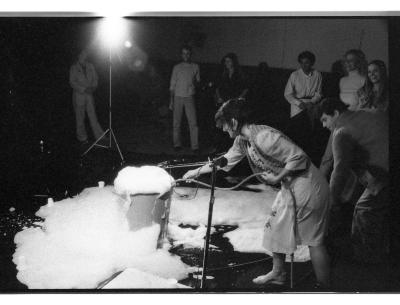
184,77
303,92
83,80
360,149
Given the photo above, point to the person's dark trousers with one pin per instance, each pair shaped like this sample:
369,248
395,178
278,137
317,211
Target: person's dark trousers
370,228
338,239
320,137
299,130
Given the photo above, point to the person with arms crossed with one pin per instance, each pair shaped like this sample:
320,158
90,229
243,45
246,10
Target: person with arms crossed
83,80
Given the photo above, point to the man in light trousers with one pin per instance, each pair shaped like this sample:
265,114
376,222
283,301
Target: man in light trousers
83,80
182,90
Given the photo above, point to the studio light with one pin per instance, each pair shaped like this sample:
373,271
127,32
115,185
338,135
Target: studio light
128,44
113,30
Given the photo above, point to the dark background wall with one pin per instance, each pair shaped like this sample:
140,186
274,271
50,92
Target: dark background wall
275,40
36,54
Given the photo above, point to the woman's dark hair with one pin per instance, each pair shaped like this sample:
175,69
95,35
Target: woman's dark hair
238,109
235,62
186,47
329,105
306,54
262,68
237,71
233,57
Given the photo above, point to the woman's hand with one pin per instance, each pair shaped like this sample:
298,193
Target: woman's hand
270,178
269,218
191,174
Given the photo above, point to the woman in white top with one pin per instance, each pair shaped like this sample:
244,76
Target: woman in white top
355,65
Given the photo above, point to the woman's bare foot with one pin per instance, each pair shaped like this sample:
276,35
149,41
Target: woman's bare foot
273,277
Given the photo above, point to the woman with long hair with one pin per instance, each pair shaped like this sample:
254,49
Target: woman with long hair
232,82
299,213
355,66
374,94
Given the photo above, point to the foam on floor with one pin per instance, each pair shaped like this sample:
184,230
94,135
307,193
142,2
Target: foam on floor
135,279
245,209
86,239
230,207
188,237
249,240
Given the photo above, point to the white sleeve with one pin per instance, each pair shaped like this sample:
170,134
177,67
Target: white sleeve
318,91
234,155
290,92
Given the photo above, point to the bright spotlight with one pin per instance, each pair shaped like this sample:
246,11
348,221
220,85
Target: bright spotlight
113,30
128,44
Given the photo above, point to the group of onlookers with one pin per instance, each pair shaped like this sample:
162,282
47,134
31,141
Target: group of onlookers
355,162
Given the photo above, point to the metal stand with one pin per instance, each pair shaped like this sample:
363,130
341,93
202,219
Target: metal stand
295,233
109,130
166,165
43,161
207,238
291,270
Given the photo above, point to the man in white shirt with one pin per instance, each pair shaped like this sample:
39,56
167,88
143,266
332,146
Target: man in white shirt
303,92
182,90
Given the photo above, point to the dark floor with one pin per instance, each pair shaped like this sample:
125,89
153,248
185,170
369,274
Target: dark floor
31,173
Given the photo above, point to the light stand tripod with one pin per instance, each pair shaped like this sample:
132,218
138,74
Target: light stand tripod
109,130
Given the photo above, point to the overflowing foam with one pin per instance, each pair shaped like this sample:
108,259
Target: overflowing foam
143,180
84,240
